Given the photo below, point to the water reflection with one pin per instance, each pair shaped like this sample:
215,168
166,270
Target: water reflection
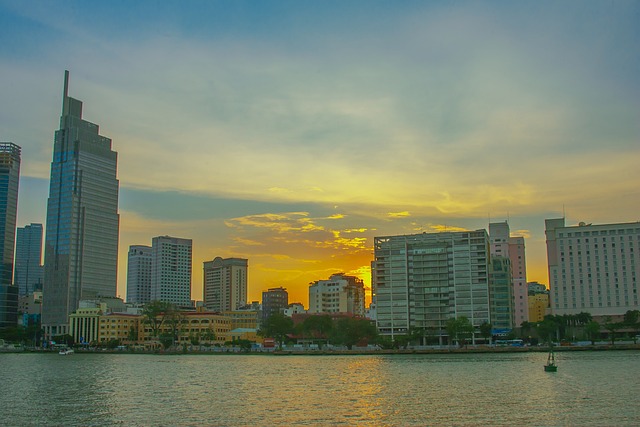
394,390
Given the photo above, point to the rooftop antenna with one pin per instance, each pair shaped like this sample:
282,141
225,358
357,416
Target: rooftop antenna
564,216
65,95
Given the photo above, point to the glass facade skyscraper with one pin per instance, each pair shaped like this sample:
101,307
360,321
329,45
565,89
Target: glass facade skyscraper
28,270
81,243
9,180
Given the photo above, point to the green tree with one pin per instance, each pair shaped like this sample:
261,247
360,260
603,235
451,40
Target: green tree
208,336
155,313
175,320
485,331
459,329
277,326
317,328
547,330
349,331
593,331
612,327
132,336
166,340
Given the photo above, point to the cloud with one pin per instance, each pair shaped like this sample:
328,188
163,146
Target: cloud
402,214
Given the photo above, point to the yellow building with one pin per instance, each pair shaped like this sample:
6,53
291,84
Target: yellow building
245,319
206,327
538,305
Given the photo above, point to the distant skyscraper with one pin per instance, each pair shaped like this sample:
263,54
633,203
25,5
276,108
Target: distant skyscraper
9,180
225,283
503,245
593,268
420,281
81,244
501,293
139,274
171,270
274,300
29,272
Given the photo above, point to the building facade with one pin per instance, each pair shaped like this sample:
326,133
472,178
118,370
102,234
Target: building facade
225,283
28,269
171,261
139,274
81,243
274,300
593,268
504,245
339,294
420,281
501,294
9,181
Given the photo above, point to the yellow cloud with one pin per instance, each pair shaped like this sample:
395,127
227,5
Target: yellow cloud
402,214
281,223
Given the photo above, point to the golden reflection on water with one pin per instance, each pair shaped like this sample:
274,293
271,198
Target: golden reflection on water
397,390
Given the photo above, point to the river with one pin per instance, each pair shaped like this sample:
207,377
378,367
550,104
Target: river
590,388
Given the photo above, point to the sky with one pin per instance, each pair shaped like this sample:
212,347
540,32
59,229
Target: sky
292,133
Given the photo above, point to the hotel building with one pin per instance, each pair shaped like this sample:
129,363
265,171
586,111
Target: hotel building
81,244
225,284
593,268
422,280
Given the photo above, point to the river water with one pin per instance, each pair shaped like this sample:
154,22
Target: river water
590,388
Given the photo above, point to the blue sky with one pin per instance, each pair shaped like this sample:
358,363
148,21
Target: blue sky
292,133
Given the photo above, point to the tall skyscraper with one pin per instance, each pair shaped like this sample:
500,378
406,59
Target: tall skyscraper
420,281
225,283
593,268
139,274
503,245
171,270
9,180
29,271
81,243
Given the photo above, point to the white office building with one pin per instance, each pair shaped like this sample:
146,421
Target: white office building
593,268
171,262
139,274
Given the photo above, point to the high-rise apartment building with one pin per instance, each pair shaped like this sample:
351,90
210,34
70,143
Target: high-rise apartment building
139,274
9,181
422,280
28,269
225,283
81,243
500,294
274,300
171,262
504,245
593,268
339,294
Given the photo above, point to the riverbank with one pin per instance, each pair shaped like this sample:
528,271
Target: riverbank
355,351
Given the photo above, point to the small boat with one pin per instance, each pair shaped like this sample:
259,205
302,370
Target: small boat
551,363
65,352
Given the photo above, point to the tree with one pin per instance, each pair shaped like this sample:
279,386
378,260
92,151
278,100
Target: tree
175,321
155,313
485,330
317,327
133,334
593,331
277,326
612,327
546,330
631,321
349,331
459,330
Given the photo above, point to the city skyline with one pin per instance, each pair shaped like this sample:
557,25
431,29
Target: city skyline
292,134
